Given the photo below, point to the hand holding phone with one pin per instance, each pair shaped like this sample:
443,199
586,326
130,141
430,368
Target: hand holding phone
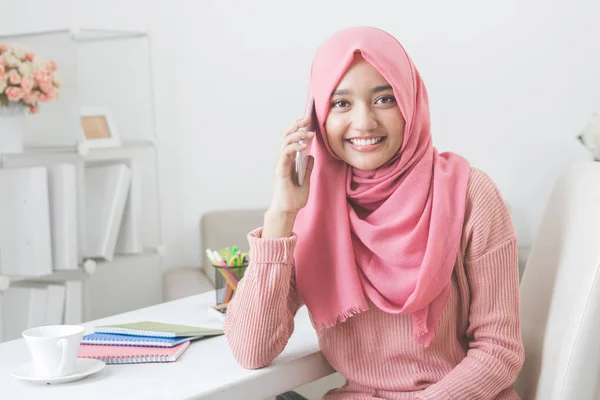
292,174
301,158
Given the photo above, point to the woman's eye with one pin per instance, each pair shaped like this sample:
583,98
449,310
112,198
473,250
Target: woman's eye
340,103
386,100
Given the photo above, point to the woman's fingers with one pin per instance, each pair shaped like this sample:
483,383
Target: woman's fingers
296,137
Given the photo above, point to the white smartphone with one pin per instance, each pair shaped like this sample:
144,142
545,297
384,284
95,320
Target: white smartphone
301,158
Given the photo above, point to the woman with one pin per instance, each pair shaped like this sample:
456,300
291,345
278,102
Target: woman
405,258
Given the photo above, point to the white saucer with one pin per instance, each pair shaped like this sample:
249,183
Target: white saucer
85,367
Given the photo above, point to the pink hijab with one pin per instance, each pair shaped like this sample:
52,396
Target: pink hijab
390,235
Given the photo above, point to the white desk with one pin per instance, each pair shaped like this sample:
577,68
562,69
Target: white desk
207,370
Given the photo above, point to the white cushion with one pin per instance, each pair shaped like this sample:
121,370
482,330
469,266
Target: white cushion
184,281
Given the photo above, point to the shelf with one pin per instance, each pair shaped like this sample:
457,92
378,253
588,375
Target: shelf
74,153
148,252
85,63
57,276
84,34
69,275
116,153
88,34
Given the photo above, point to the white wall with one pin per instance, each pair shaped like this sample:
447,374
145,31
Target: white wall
511,84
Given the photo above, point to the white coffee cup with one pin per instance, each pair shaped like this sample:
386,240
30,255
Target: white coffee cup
54,349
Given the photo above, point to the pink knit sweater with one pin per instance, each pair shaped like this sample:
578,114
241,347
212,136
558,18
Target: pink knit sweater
477,350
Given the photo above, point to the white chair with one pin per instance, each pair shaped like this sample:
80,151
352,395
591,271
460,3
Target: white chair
225,228
218,229
560,293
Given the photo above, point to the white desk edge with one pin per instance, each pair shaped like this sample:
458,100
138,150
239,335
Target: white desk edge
193,376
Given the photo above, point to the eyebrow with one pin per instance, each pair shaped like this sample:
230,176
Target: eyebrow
376,89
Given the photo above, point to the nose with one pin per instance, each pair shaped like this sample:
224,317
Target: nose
364,118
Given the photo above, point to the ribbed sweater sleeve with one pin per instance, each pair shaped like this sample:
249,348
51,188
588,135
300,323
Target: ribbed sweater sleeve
260,317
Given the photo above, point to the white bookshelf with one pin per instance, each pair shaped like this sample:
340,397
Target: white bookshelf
110,69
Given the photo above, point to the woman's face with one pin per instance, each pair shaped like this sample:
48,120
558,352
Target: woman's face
364,126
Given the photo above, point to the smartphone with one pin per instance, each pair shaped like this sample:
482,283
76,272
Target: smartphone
301,158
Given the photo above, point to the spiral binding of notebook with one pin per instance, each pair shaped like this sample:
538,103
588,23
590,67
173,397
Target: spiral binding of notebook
132,354
133,332
131,340
137,360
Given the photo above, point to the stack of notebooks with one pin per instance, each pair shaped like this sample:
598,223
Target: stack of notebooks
141,342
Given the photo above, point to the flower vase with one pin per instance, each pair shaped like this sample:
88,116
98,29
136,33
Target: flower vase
12,128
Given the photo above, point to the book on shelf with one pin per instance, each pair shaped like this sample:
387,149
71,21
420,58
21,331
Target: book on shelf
55,308
29,305
130,235
106,190
23,307
25,235
62,186
73,302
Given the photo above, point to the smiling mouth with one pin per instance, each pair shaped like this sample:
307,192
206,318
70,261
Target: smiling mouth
365,142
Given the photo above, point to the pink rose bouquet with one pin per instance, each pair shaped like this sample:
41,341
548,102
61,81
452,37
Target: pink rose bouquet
26,78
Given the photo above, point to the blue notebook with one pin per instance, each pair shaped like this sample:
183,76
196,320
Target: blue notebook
131,340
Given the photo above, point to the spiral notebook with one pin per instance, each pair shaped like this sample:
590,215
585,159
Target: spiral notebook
132,340
160,329
132,354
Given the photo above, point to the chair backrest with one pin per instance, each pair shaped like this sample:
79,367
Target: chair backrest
225,228
560,293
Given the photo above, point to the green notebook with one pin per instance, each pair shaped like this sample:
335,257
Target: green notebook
158,329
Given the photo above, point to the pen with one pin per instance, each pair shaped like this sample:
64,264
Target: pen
230,278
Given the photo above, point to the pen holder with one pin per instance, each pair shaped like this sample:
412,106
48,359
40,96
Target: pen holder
226,279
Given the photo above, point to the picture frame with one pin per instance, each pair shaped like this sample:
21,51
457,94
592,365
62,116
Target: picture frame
98,126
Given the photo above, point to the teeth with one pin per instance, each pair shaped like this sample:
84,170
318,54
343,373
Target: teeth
365,142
